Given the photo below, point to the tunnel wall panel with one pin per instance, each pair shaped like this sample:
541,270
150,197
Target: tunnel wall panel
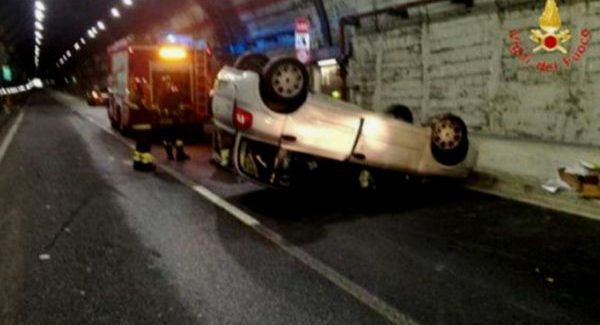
446,58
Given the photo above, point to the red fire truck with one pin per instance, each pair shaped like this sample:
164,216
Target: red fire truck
141,76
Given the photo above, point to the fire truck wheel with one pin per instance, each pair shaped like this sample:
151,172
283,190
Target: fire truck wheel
449,142
252,62
284,84
401,112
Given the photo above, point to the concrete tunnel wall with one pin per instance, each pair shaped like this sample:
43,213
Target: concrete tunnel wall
449,59
444,58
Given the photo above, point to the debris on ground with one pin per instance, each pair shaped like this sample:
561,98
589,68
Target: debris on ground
583,178
556,185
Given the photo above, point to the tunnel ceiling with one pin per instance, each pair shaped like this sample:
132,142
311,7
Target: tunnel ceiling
16,31
228,21
68,20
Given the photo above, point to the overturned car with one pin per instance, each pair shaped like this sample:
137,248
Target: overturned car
271,129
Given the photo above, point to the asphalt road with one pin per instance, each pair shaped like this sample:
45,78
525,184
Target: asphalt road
85,240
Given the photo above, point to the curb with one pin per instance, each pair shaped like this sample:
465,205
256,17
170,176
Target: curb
529,191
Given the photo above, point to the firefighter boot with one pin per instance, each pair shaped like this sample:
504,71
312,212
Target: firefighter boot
168,149
142,158
180,155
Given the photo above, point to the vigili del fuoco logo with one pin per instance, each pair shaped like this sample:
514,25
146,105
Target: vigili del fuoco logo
550,37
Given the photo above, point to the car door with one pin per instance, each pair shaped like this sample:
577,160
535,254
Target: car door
223,100
322,127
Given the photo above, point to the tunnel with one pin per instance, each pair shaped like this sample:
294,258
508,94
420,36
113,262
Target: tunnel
299,162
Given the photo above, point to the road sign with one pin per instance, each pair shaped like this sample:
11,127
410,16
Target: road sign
302,31
302,25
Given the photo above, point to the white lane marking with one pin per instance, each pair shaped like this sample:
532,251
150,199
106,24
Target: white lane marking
355,290
235,211
359,293
10,136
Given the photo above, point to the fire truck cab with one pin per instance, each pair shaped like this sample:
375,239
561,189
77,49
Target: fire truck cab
162,84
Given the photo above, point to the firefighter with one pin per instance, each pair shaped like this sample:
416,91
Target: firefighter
172,134
142,156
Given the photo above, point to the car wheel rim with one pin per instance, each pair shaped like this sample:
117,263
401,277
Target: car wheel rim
447,135
288,81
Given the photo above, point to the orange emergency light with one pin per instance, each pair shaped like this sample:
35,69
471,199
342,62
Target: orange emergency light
173,53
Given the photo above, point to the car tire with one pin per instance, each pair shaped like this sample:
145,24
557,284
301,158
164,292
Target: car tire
284,84
449,140
401,112
252,62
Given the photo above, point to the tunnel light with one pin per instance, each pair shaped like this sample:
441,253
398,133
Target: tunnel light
68,54
94,30
128,3
327,63
115,13
172,53
40,6
39,15
91,34
82,41
77,47
101,25
37,83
